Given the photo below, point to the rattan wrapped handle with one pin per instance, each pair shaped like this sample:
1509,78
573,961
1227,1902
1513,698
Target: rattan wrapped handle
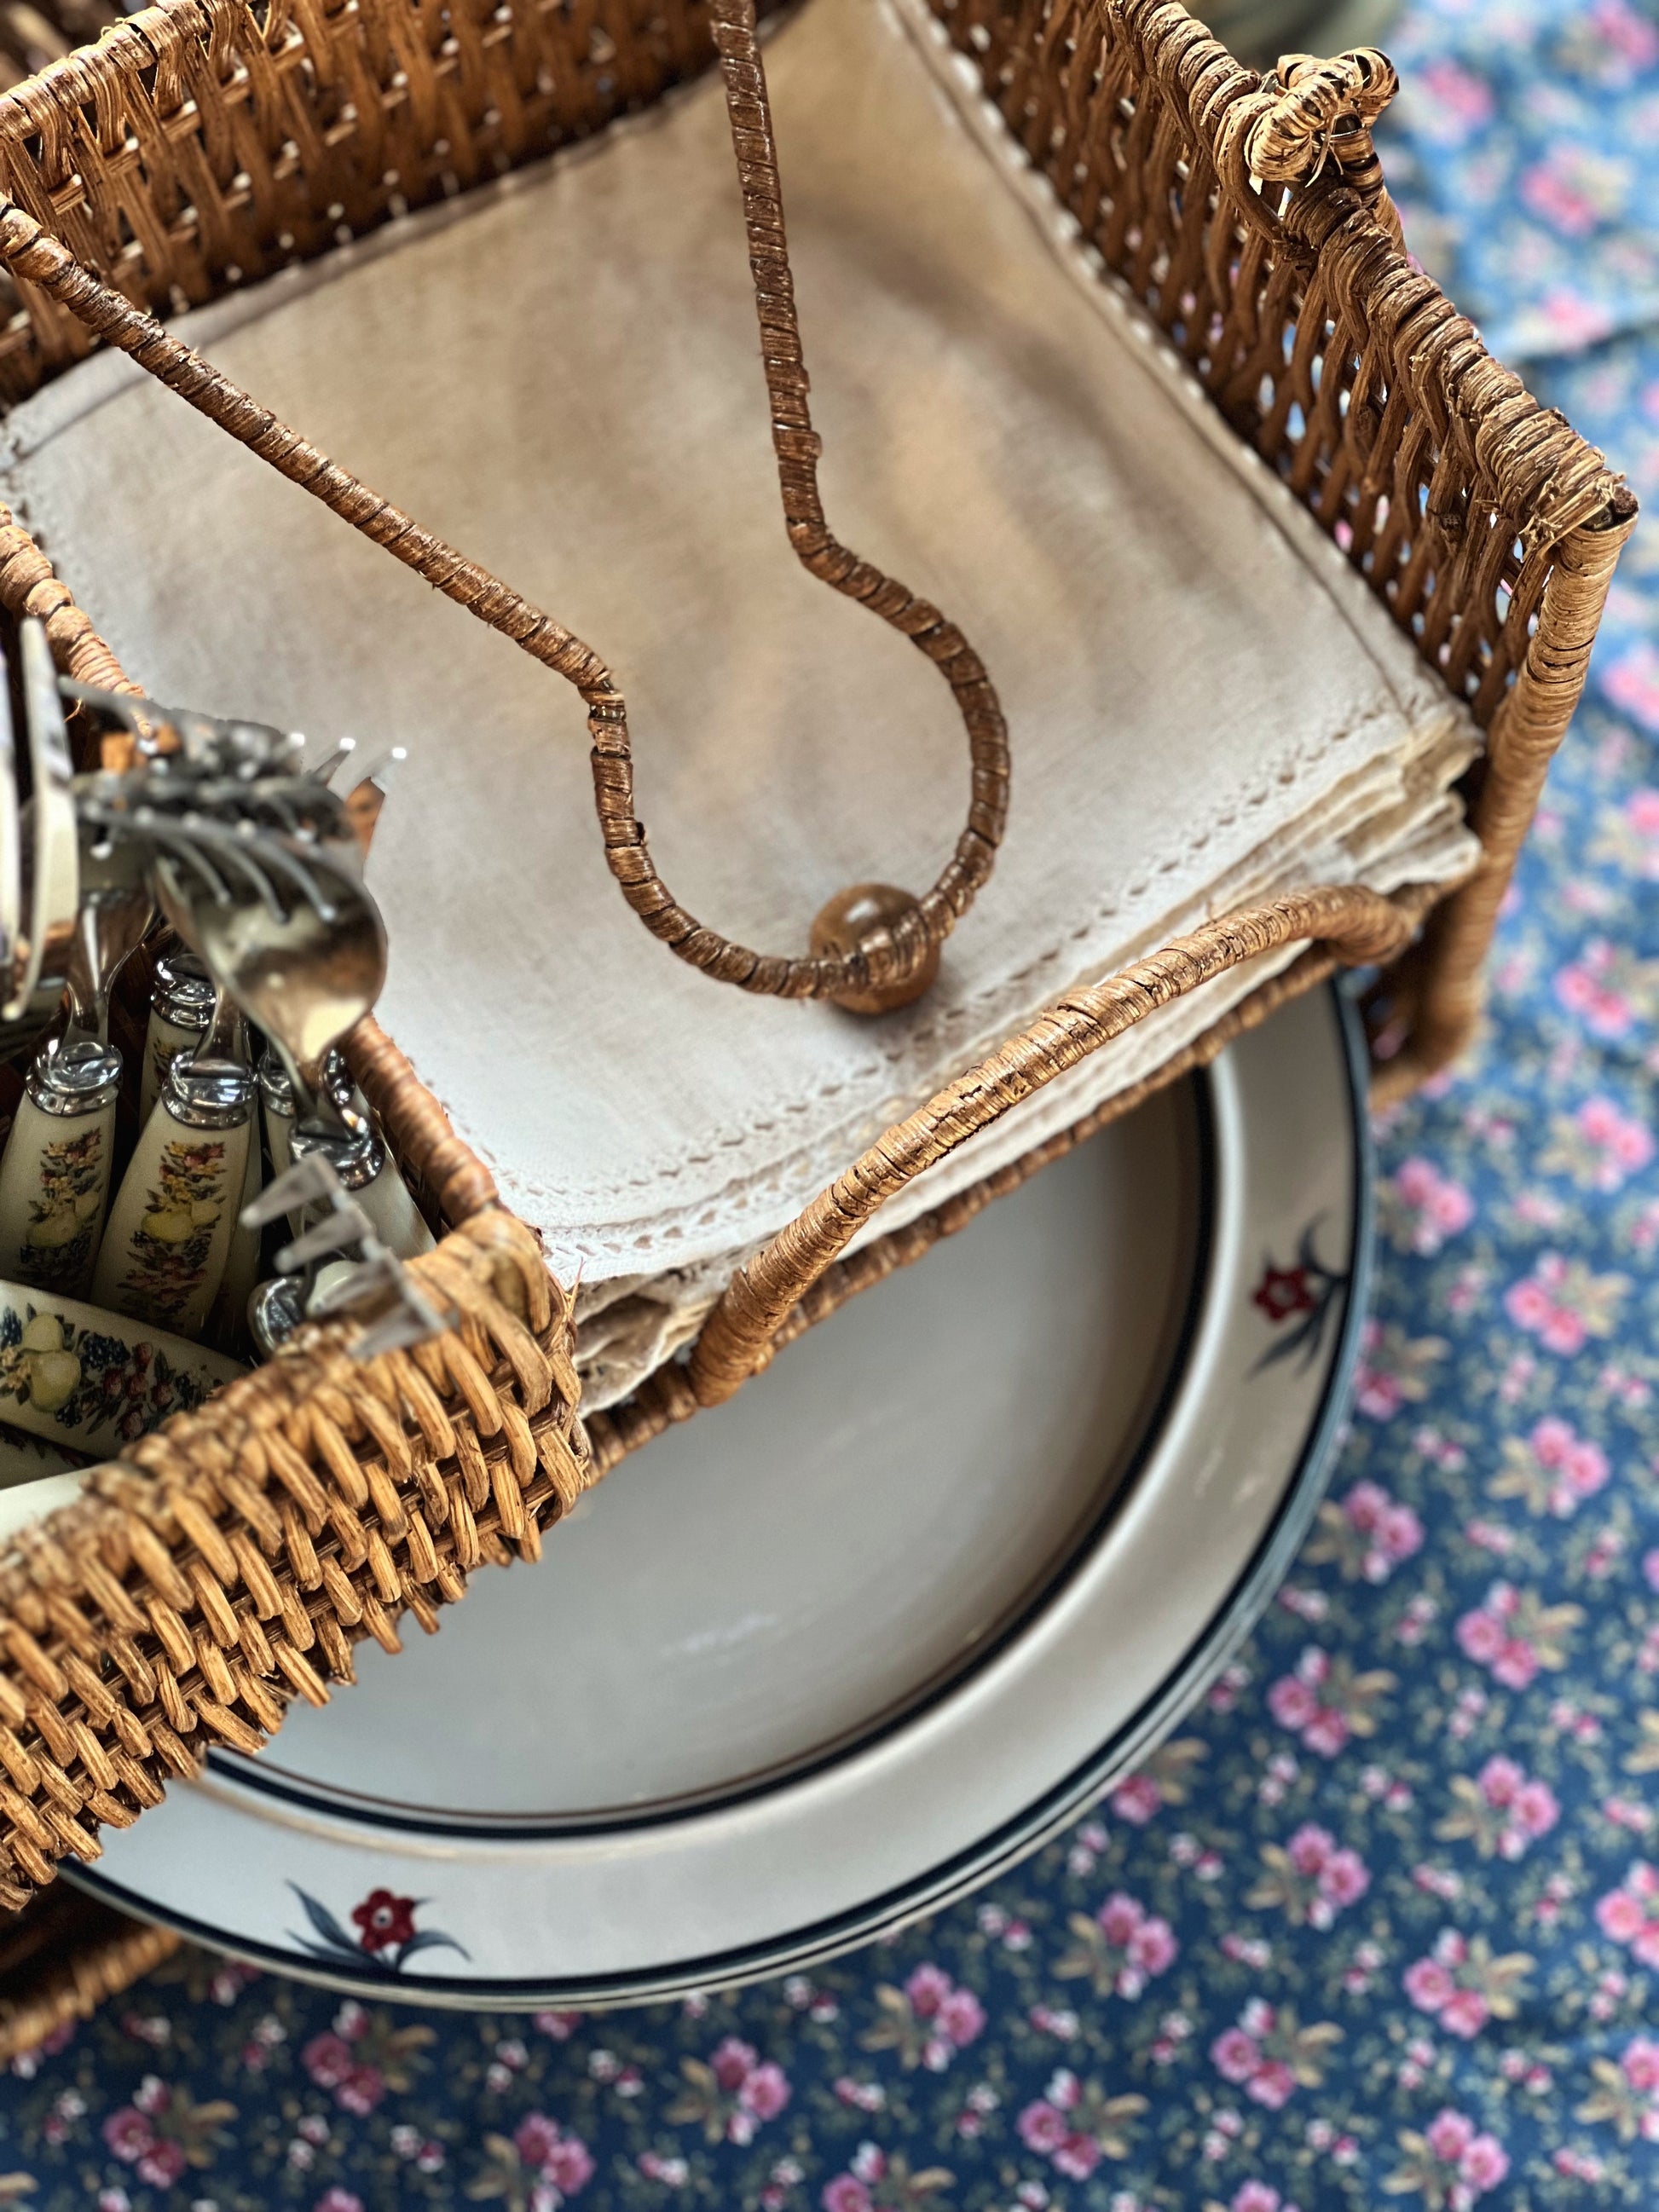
894,962
1357,925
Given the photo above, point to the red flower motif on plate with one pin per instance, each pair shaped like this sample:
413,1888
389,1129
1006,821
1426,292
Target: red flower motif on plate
1283,1292
384,1920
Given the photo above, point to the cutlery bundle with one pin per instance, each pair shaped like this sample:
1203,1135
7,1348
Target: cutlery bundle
187,1163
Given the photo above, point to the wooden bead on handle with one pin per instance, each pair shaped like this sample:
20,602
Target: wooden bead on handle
869,918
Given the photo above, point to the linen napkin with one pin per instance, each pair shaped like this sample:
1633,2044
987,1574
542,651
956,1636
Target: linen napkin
560,374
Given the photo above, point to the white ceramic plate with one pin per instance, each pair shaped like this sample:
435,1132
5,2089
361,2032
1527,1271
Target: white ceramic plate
825,1658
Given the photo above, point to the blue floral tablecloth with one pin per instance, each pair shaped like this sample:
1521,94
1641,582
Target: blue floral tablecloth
1382,1923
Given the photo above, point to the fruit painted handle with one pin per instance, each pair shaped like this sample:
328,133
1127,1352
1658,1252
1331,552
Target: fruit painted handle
54,1185
170,1227
163,1042
87,1383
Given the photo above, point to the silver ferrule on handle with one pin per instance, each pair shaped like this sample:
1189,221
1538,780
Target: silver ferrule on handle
184,991
70,1080
356,1158
224,1041
274,1088
208,1094
274,1310
282,1114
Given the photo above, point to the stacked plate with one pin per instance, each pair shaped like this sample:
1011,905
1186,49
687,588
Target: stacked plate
824,1659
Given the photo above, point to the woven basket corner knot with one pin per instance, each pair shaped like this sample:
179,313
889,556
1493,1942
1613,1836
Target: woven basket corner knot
1312,106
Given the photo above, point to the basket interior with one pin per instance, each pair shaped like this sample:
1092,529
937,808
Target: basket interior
557,372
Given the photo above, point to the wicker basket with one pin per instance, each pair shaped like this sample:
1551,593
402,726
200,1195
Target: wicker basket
233,1562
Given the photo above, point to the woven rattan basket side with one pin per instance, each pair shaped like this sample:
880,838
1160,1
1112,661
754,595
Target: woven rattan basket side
200,146
231,1566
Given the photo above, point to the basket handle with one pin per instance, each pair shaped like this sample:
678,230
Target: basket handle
1358,926
872,947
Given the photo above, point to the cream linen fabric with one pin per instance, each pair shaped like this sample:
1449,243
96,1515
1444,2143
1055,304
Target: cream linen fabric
560,374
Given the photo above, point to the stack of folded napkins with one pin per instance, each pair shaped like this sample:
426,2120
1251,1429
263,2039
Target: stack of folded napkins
560,374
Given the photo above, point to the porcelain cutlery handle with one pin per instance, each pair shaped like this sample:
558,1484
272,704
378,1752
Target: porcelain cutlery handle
334,1270
365,1165
85,1380
390,1205
179,1017
54,1186
164,1041
168,1239
242,1262
179,1013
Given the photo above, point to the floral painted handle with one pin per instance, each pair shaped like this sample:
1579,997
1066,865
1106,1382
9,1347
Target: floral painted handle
164,1041
383,1195
169,1233
89,1382
54,1181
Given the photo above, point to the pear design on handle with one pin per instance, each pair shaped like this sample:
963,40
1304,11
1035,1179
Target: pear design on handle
168,1239
54,1175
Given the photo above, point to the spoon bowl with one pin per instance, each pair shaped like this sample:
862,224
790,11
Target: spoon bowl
306,972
